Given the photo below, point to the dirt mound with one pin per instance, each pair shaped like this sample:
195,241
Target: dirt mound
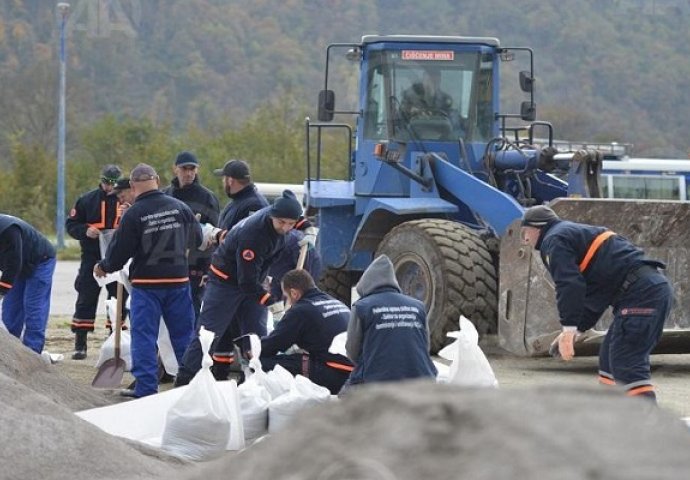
24,366
417,430
43,439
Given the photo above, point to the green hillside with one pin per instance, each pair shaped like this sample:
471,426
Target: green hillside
235,77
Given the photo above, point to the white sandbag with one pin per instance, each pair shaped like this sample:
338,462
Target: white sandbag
198,426
165,350
254,400
121,275
108,348
303,394
338,344
276,382
143,419
469,366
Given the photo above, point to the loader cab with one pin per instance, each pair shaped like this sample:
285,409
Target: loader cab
428,96
419,95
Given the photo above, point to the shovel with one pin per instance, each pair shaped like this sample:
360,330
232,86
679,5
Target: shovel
302,256
110,373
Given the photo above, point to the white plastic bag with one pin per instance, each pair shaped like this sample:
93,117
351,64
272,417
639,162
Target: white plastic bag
203,423
469,366
303,394
254,400
108,350
165,350
338,344
276,382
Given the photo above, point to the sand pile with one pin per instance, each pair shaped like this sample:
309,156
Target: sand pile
21,364
43,439
417,430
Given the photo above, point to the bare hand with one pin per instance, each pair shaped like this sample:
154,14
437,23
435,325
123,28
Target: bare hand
98,271
122,208
92,232
566,344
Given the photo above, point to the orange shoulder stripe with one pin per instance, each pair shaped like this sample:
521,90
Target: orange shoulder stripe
598,241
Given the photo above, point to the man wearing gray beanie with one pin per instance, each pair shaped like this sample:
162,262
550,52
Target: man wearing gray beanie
593,268
236,302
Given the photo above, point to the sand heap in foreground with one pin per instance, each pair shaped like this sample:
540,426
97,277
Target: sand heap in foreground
43,439
418,430
21,364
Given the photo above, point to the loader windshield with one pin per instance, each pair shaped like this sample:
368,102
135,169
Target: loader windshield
428,95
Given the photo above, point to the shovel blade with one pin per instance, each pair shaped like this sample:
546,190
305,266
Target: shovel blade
109,374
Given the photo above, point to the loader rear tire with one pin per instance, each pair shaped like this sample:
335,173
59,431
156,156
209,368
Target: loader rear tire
339,283
447,266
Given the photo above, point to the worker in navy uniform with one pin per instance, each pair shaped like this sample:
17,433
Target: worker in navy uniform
27,262
94,211
593,268
245,199
388,333
235,302
312,321
204,204
155,233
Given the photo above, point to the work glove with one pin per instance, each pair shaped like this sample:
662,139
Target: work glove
309,238
209,235
277,310
564,344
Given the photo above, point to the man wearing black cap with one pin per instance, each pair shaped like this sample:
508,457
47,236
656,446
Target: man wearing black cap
156,233
123,191
93,212
245,199
187,188
235,301
593,268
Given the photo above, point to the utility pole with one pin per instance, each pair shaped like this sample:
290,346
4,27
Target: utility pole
63,11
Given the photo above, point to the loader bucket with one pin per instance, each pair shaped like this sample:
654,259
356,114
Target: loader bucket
527,314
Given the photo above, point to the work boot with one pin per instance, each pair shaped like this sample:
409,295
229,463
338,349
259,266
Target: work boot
79,345
129,393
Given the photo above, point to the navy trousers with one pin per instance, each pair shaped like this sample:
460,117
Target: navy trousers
27,305
638,323
228,311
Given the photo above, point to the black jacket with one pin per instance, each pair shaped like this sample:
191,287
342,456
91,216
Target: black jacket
582,297
22,248
311,324
96,209
242,204
246,253
201,201
156,233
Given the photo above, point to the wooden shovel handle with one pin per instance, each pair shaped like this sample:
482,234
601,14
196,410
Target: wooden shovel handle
302,256
118,320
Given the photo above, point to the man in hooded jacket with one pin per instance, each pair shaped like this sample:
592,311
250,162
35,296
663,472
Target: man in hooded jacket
388,333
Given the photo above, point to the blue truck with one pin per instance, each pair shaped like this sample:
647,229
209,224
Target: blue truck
437,177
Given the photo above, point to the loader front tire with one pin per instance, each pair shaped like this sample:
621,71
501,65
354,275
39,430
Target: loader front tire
448,267
338,283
